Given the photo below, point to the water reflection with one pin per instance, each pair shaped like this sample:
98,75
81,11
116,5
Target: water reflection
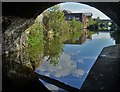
75,60
67,58
53,47
65,67
78,37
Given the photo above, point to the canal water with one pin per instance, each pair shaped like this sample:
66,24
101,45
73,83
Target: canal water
73,60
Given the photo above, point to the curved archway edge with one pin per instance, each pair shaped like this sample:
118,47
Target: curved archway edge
31,10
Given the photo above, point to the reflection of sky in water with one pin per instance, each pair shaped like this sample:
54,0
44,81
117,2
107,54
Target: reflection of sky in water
65,67
76,60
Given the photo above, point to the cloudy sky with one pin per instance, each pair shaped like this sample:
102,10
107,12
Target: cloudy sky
78,8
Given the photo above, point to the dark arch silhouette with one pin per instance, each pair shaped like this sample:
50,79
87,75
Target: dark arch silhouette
31,10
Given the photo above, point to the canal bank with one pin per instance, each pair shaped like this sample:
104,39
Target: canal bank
104,75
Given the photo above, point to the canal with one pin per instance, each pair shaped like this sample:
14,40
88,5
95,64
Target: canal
54,51
67,58
70,61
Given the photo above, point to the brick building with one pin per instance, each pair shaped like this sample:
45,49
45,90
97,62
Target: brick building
83,17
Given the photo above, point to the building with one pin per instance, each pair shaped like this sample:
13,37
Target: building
66,11
77,16
69,15
83,17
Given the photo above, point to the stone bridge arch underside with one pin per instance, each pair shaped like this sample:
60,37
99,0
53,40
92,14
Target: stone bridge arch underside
31,10
17,16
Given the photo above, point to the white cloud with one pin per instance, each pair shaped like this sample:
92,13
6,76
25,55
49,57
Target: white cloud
101,36
65,67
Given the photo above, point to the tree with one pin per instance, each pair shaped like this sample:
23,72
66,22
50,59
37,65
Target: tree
91,22
35,42
75,25
54,19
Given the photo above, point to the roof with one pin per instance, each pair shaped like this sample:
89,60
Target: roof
88,14
67,11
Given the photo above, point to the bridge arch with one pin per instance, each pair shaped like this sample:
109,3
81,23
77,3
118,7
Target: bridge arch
32,10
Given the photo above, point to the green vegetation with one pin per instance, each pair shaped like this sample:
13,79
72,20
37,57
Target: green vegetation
104,26
46,38
91,22
94,25
54,20
114,27
53,49
35,42
74,25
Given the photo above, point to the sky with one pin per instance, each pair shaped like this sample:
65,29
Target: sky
83,8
